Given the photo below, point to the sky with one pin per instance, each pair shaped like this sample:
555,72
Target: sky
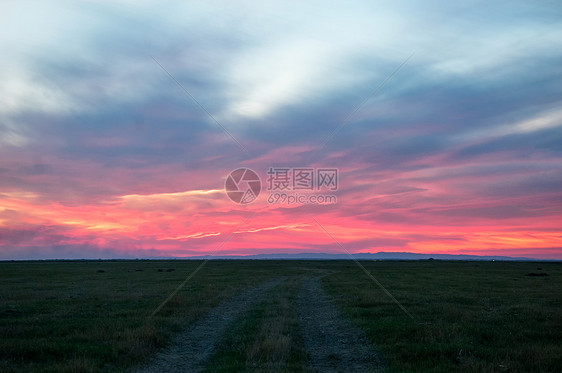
120,122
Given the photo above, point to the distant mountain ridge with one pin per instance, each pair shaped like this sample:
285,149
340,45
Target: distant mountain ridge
382,255
359,256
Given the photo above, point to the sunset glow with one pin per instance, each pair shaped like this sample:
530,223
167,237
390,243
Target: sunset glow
103,155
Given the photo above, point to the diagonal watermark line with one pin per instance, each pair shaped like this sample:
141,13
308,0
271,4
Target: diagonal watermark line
365,270
374,92
197,269
201,106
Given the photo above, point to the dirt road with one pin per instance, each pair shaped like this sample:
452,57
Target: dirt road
331,342
192,348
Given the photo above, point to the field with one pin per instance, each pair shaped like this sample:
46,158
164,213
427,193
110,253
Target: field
280,316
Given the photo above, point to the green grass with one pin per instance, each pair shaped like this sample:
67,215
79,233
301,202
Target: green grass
266,339
468,316
67,316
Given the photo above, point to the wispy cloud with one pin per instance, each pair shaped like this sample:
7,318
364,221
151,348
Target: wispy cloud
159,196
101,152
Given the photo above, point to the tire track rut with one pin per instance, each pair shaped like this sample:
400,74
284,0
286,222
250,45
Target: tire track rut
194,346
332,342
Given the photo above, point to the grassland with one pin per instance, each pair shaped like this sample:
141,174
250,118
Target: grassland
95,315
468,316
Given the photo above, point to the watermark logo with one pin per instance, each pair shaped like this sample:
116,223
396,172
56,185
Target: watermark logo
297,178
286,185
243,186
